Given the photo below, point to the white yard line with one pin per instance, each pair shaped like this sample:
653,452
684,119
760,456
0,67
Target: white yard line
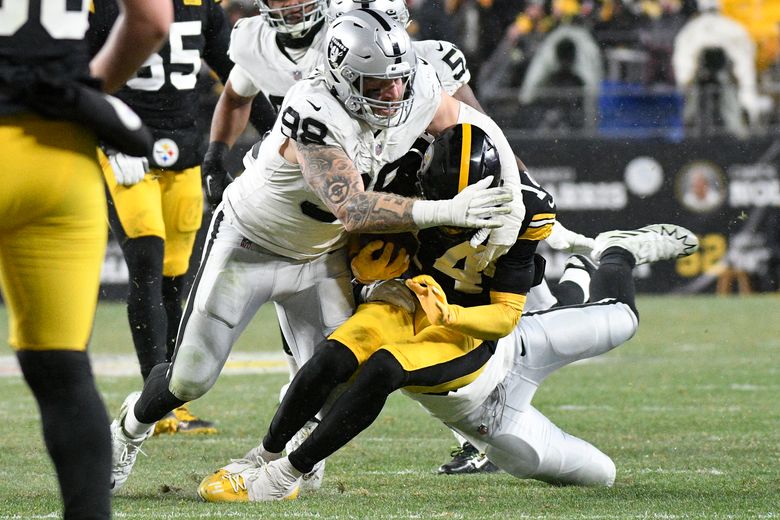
127,364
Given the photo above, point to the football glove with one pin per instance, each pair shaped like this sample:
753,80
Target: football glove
474,207
502,239
367,269
432,299
215,175
128,170
393,292
563,239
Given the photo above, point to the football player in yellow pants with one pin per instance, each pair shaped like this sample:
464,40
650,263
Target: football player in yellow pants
52,221
155,214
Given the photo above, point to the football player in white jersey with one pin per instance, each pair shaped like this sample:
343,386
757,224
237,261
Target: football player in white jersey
271,52
279,233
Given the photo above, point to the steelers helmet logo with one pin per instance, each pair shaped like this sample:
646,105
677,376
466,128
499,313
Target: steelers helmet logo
165,152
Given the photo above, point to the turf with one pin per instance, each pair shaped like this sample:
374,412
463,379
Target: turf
688,409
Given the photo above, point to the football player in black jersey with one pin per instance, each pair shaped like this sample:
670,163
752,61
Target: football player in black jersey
52,215
428,349
156,202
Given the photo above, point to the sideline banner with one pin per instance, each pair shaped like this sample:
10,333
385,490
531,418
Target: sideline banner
725,190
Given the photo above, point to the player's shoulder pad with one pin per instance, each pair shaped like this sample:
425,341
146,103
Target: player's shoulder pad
539,210
245,35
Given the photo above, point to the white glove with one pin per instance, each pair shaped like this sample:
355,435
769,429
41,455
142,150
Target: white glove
474,207
501,239
394,292
563,239
128,170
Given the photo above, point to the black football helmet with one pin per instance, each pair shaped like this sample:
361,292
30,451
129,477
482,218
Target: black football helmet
462,155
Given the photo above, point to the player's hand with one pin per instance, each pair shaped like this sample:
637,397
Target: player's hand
432,299
502,239
367,269
215,175
477,205
393,292
566,240
128,170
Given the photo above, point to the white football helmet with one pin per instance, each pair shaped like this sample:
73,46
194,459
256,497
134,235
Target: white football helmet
395,8
293,19
363,44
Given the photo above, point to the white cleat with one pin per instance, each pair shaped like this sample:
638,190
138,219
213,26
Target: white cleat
277,480
312,480
124,449
650,243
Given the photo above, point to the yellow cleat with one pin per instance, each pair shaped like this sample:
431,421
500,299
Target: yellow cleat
181,420
223,486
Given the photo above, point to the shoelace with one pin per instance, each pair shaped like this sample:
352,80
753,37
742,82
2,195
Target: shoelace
129,453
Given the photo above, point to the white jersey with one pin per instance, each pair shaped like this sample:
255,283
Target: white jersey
272,203
448,61
263,66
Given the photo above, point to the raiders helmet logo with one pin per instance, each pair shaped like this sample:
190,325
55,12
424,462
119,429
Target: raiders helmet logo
336,52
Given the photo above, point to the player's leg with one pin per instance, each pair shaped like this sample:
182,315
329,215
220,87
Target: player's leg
136,219
182,209
52,243
334,362
528,445
231,285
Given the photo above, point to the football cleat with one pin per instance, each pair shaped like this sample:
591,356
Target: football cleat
181,420
226,484
650,243
277,480
467,459
312,480
124,449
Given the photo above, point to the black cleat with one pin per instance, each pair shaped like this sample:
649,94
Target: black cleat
467,459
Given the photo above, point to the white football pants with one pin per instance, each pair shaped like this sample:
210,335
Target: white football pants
312,297
513,434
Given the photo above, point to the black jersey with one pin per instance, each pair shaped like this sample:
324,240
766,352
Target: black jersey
40,44
164,91
445,254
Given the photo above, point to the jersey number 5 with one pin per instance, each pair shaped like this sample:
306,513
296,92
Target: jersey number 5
151,76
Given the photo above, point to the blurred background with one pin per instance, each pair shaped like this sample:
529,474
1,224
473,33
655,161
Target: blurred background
629,112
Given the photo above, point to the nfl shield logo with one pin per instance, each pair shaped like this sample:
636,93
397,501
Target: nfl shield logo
378,149
297,75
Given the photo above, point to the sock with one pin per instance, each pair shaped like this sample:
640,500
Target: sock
145,312
75,428
172,299
332,364
156,400
614,278
353,412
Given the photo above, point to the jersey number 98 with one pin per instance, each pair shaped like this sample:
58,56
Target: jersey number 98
304,131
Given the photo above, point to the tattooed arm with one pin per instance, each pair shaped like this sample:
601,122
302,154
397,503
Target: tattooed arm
336,181
333,177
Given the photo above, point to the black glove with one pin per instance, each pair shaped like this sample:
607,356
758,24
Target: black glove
215,176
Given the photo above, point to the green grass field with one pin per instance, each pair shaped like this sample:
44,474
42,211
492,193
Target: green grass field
688,410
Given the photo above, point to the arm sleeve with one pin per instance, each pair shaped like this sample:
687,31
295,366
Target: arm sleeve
510,174
492,321
217,42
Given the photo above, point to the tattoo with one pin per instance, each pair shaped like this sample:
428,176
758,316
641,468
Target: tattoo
333,177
